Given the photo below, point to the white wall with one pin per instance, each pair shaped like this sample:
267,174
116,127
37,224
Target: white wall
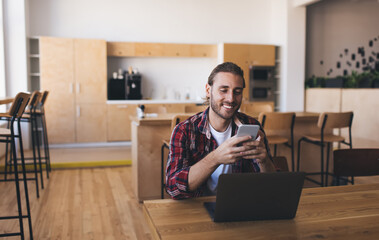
335,25
191,21
15,46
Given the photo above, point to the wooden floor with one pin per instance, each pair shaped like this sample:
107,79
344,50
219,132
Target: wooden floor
93,203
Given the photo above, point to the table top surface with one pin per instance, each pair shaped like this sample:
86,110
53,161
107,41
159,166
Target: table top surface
344,212
6,100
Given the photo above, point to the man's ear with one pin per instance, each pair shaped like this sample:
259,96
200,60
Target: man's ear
208,90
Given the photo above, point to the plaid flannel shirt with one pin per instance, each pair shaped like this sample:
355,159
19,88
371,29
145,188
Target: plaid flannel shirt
191,141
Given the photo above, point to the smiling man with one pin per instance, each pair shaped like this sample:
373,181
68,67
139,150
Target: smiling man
205,146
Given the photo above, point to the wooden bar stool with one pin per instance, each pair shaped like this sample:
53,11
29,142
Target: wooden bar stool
275,125
30,117
9,136
327,120
166,144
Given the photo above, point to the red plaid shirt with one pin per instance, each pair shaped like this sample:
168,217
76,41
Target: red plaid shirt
191,141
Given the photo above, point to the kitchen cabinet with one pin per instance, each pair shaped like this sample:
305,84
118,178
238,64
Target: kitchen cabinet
248,55
118,121
74,71
135,49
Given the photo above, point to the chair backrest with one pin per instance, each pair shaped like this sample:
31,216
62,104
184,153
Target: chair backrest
44,97
19,104
356,162
335,120
179,118
35,100
195,109
281,163
255,108
277,120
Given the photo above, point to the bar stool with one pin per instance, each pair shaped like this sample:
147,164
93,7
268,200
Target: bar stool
327,120
275,123
9,136
29,116
166,144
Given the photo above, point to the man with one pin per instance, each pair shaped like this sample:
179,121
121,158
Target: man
205,146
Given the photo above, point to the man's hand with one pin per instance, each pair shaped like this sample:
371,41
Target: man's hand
257,149
233,150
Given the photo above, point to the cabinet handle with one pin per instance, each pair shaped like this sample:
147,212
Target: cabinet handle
71,87
77,87
78,111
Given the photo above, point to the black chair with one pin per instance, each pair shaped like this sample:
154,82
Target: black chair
281,163
9,136
355,162
326,121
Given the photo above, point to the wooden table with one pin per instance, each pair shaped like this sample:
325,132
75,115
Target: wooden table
148,133
346,212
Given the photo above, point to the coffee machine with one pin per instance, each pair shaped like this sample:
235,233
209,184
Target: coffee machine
133,82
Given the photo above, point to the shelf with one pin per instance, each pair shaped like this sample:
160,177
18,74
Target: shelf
34,74
34,55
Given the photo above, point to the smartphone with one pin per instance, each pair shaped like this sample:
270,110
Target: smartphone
248,130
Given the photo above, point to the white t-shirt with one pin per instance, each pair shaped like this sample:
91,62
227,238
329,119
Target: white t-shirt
220,137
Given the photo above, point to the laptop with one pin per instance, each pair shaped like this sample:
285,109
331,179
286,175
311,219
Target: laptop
256,196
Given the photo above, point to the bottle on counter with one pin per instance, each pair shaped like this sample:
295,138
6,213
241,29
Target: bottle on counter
141,111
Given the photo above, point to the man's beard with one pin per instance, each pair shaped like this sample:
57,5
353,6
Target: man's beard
217,109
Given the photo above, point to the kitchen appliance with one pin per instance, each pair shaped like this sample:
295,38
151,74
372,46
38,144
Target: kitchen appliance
133,86
262,83
116,89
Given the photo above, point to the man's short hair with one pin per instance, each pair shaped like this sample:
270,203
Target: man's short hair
226,67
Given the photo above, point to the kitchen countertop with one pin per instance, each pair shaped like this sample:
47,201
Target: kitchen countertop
145,101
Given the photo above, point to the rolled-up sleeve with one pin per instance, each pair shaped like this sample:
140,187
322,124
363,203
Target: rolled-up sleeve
178,166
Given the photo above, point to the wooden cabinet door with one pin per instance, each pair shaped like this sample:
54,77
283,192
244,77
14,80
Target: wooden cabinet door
90,70
57,77
91,122
262,55
119,123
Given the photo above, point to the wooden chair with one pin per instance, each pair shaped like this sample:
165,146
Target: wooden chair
9,136
255,108
355,162
195,108
156,108
327,120
166,144
275,125
281,163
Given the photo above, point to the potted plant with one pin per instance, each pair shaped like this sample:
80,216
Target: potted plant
337,82
364,80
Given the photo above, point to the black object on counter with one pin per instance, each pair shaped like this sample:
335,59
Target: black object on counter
133,86
116,89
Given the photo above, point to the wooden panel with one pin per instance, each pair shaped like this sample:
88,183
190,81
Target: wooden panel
91,123
174,108
120,49
57,76
323,100
90,71
118,116
239,54
203,50
364,104
176,50
262,55
148,50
